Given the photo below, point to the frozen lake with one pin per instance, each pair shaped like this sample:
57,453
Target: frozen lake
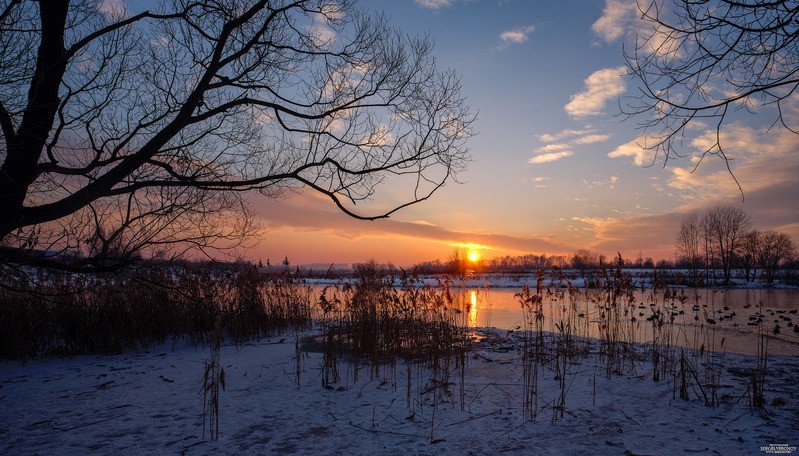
706,317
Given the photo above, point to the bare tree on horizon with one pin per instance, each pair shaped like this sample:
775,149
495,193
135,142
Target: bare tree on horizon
123,132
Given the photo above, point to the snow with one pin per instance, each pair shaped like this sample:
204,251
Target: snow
149,403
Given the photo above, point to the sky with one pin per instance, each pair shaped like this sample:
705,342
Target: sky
554,168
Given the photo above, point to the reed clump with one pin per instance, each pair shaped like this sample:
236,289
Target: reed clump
379,321
46,313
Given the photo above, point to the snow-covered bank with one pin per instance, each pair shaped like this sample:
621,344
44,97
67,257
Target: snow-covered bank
149,403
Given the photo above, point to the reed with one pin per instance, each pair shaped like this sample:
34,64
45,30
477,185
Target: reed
374,325
48,313
213,378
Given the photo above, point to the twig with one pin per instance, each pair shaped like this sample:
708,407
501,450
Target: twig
628,417
735,419
380,431
474,418
89,423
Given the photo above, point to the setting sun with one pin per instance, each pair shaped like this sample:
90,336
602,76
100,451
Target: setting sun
474,256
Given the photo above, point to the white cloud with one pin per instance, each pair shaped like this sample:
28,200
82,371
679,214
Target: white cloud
601,86
759,159
322,36
113,9
563,134
550,157
537,182
557,147
591,139
332,12
516,36
641,155
434,4
610,183
621,19
617,18
557,150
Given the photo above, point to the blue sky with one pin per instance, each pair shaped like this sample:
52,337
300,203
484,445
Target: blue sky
555,168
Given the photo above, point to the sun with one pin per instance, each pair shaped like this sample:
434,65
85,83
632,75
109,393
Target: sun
473,256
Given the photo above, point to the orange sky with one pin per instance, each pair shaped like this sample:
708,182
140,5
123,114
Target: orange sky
554,167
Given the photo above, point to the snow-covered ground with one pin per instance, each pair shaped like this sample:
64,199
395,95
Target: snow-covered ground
150,403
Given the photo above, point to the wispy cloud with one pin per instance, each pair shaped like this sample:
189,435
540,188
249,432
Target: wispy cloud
113,9
538,182
763,161
564,134
550,157
621,19
609,184
635,149
591,139
562,142
517,35
556,147
601,86
312,217
617,18
434,4
759,159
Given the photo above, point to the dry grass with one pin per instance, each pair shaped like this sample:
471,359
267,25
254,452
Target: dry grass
45,314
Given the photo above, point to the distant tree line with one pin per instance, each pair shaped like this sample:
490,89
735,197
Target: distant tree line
723,239
710,247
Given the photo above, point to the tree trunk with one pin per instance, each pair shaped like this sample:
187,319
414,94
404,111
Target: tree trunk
25,147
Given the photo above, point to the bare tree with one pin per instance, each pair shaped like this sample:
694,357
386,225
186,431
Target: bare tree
747,253
775,248
584,260
688,244
145,131
699,60
725,226
459,263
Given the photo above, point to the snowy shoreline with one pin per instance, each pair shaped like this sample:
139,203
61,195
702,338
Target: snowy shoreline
148,403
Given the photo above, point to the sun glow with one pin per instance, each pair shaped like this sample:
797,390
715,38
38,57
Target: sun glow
473,256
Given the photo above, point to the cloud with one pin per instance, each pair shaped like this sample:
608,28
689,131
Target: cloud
621,19
322,36
759,159
617,18
763,161
516,36
591,139
113,9
653,235
434,4
563,134
537,182
557,147
601,86
641,155
557,150
550,157
610,183
332,12
313,218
